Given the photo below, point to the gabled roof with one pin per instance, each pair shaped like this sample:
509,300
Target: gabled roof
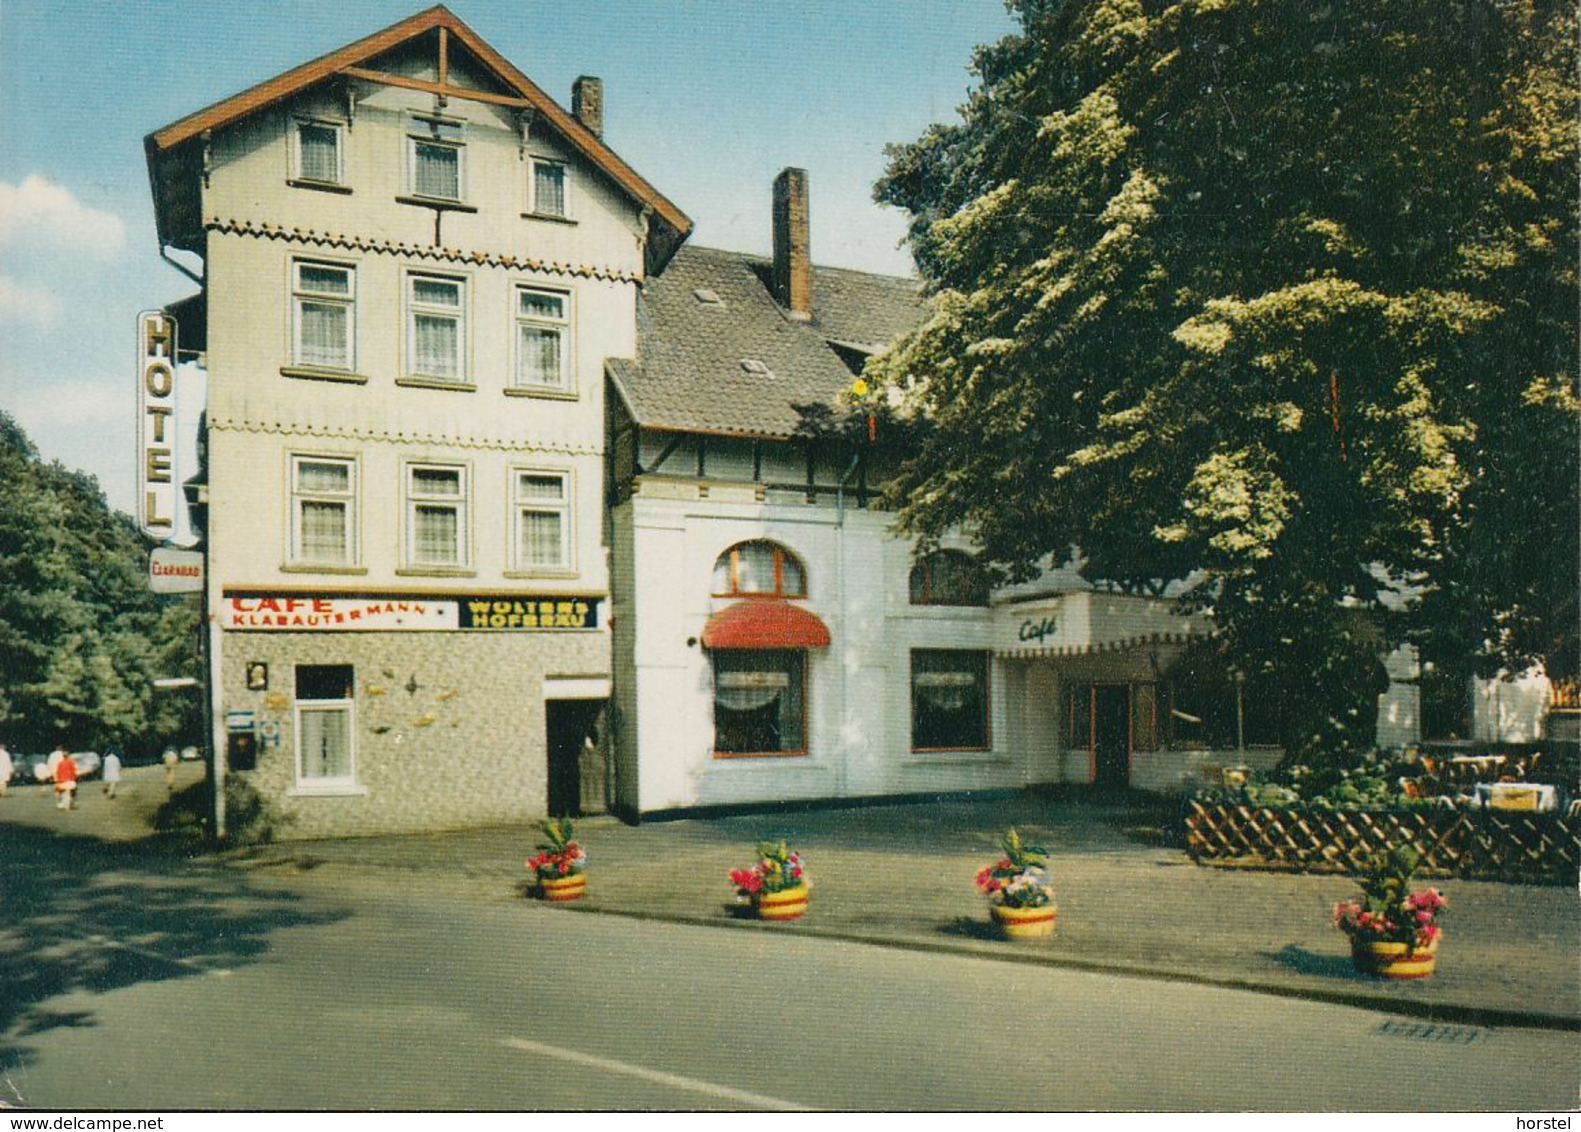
347,61
690,373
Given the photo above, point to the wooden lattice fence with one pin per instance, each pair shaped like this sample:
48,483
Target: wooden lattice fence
1475,844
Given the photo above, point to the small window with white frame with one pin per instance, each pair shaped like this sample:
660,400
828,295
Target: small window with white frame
436,327
325,730
541,514
543,339
551,188
436,158
436,515
323,511
323,305
317,152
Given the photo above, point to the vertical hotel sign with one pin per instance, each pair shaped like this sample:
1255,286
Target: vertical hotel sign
156,429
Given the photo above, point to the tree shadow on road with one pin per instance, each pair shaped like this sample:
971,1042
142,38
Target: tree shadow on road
80,915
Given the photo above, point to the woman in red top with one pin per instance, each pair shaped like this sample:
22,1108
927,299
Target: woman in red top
65,783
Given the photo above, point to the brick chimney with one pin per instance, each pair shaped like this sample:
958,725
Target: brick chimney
792,245
587,103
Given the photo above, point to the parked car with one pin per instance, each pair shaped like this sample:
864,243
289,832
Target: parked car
190,754
88,763
35,768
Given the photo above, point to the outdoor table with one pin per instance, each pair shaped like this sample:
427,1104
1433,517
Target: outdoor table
1473,768
1517,796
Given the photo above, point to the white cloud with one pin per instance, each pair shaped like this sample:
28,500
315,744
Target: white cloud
23,303
42,212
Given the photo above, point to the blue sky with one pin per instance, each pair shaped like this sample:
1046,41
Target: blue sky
708,99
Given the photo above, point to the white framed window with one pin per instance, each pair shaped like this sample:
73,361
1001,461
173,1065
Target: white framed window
323,322
551,188
436,159
543,339
436,515
317,152
436,326
324,717
541,520
323,510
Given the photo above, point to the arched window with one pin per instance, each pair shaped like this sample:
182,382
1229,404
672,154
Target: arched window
948,577
760,569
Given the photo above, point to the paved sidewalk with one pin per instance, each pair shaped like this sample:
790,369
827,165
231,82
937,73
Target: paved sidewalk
901,875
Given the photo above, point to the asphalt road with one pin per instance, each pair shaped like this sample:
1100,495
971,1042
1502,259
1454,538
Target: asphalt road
171,985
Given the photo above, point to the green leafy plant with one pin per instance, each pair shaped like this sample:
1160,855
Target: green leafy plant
1389,912
1020,878
559,855
778,867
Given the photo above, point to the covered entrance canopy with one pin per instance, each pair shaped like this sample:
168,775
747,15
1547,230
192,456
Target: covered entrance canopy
1086,622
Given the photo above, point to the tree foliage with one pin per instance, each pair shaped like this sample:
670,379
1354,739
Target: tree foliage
81,636
1277,297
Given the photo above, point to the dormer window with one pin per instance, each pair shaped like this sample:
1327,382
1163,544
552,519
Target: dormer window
707,297
756,367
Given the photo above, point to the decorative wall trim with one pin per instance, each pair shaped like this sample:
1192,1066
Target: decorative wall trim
493,443
312,238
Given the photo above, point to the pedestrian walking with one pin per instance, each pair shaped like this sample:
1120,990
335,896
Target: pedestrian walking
65,782
112,772
170,758
6,767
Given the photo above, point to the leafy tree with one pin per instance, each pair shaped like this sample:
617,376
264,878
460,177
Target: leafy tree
1279,298
82,638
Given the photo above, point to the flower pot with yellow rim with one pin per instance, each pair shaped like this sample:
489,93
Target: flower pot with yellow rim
561,889
1025,923
786,904
1390,960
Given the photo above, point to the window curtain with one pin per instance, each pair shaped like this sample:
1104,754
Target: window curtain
312,476
434,539
438,172
436,345
318,148
323,334
323,531
946,691
325,742
758,702
750,691
549,189
539,358
541,539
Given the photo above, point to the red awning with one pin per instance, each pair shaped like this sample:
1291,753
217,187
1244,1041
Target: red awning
765,624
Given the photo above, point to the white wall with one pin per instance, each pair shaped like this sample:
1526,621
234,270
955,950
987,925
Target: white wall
1512,709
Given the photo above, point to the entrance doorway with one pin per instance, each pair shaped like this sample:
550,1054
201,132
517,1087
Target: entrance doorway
1111,736
576,772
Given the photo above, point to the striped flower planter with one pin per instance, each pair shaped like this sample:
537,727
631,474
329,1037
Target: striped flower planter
1025,923
787,904
561,889
1395,960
